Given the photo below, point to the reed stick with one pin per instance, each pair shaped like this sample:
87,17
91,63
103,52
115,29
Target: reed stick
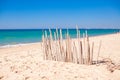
74,54
61,34
77,48
46,34
88,51
57,33
50,45
98,51
81,54
84,62
68,47
44,51
77,31
55,47
91,53
61,46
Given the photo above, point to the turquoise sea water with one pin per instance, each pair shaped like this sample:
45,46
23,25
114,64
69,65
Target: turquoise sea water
10,37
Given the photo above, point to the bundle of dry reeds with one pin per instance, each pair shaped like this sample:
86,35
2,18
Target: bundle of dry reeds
77,51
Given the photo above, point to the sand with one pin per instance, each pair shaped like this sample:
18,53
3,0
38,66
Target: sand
25,62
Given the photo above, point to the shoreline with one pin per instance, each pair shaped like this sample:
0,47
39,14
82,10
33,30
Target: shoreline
29,43
16,45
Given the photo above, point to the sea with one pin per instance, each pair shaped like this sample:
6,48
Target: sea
10,37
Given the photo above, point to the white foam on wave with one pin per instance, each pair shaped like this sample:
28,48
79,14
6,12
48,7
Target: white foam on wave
14,45
10,45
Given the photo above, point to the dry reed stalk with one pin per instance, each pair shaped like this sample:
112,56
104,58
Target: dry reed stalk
61,34
61,49
110,65
46,34
74,54
77,31
80,49
79,34
63,53
50,45
83,48
45,47
44,51
88,51
48,49
66,57
65,49
77,46
86,34
98,52
50,34
81,54
68,48
58,52
52,49
56,46
91,53
61,46
78,52
55,49
55,37
57,33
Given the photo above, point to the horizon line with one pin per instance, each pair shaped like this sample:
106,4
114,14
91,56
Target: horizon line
52,28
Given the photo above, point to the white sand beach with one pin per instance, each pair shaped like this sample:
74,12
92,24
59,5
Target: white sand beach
25,62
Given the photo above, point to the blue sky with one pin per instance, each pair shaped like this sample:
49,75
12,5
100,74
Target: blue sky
26,14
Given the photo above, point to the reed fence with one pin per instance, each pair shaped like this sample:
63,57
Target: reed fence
68,50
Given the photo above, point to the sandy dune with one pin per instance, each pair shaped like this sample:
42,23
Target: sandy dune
26,62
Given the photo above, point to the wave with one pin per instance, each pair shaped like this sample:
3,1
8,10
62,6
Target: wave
14,45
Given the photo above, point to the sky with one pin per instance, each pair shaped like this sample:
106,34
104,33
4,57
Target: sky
36,14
